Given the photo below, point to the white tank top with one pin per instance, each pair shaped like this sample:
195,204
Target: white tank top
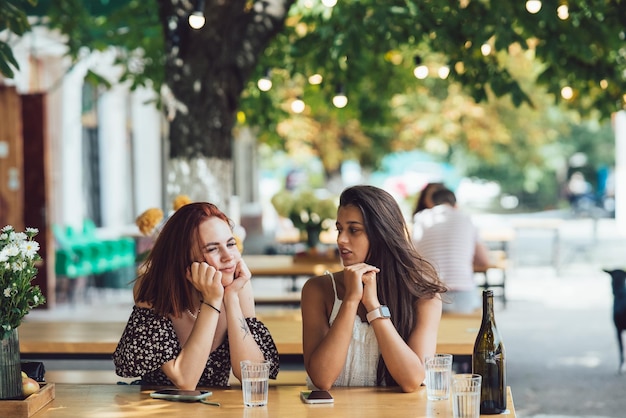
362,358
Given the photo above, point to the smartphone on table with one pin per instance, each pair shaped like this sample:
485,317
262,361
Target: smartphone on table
181,395
316,396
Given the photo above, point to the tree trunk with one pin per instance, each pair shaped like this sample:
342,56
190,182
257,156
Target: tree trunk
206,72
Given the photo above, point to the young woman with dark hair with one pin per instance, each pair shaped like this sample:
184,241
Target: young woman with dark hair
373,323
194,315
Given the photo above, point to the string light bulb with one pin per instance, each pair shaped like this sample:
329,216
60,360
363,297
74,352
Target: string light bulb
316,79
340,100
533,6
297,106
265,82
196,18
420,71
562,12
567,92
444,72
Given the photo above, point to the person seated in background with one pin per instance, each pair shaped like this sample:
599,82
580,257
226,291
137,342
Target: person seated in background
447,238
375,322
194,316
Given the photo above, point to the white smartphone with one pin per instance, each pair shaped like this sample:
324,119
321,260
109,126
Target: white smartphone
181,395
316,396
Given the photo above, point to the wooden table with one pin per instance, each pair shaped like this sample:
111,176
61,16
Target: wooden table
98,339
125,401
289,266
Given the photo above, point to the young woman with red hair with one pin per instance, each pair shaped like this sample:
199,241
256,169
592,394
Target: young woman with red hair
194,315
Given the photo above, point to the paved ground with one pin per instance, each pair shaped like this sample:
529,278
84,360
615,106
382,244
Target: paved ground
561,346
562,354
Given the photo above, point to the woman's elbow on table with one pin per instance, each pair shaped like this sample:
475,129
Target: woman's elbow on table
412,384
410,387
321,384
180,380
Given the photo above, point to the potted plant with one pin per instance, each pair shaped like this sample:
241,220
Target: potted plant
18,256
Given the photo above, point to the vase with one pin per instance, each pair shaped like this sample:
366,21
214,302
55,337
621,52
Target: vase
10,367
313,236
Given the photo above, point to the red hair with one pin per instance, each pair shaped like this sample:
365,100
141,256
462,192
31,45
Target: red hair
164,284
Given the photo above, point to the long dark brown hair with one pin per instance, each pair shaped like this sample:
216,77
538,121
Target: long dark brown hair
163,284
404,275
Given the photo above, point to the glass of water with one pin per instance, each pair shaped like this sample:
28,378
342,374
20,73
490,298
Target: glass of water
255,382
438,372
466,395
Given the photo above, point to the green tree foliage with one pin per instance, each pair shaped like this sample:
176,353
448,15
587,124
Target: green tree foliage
370,48
14,22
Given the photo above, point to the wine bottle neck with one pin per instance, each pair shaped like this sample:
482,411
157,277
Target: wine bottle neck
488,308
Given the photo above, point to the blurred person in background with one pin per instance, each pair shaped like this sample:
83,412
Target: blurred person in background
424,201
447,238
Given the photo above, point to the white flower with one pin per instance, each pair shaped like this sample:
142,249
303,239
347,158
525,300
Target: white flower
12,250
19,236
18,254
30,248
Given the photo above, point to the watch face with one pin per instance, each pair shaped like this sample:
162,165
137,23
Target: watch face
384,310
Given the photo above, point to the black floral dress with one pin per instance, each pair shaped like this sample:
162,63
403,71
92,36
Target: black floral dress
149,341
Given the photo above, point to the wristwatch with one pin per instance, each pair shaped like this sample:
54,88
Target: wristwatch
380,312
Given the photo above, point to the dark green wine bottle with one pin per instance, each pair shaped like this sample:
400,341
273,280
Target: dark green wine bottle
488,360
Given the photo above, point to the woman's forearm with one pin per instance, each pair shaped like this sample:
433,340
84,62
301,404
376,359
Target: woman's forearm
240,339
327,360
185,370
403,363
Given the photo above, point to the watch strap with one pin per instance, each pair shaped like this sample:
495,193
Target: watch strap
380,312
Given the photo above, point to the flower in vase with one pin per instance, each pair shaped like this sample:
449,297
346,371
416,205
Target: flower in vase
18,255
305,209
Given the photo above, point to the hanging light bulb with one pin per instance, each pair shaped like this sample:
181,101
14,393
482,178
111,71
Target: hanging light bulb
485,49
316,79
562,12
533,6
567,92
196,18
265,82
420,71
297,106
444,72
340,100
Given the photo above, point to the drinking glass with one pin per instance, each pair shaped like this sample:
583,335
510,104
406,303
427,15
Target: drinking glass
255,382
438,372
466,395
